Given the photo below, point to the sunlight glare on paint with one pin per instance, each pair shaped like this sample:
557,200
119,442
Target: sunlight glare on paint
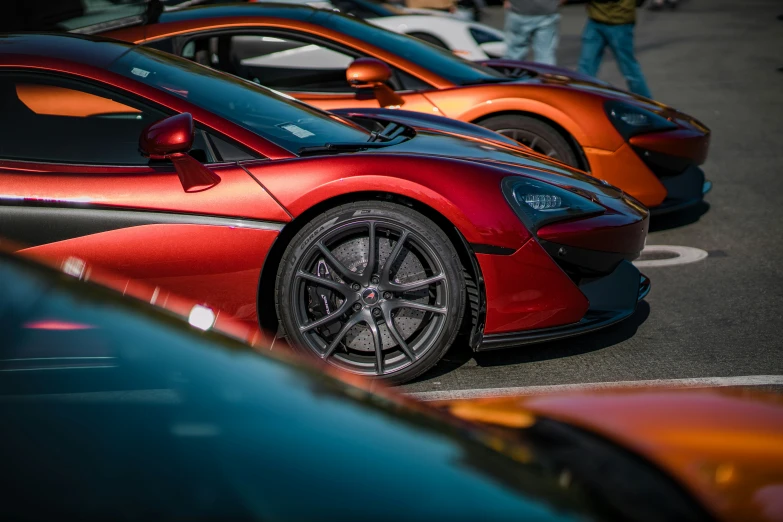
201,317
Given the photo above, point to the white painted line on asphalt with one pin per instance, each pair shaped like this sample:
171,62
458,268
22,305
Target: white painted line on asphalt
679,255
703,382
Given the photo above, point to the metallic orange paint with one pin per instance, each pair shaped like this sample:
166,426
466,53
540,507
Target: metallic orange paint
724,446
59,101
573,104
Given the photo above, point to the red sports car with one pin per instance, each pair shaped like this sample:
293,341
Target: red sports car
371,249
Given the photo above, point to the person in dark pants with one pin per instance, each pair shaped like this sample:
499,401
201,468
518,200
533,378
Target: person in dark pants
610,23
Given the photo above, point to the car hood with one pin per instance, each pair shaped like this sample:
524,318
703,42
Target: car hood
725,446
528,73
523,70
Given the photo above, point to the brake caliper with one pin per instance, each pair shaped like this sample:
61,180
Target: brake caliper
322,301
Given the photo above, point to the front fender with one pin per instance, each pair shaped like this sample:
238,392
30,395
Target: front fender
536,107
466,193
579,112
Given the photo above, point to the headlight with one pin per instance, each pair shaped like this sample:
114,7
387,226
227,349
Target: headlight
630,120
538,203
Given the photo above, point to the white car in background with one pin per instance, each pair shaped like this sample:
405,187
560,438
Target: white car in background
468,39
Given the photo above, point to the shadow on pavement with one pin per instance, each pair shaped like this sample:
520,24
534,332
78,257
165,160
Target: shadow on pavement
682,218
460,353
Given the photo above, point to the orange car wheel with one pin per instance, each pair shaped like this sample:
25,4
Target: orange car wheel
539,136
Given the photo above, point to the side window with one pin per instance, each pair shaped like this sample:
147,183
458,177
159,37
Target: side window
56,119
284,61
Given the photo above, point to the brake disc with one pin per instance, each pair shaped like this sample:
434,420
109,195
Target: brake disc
352,254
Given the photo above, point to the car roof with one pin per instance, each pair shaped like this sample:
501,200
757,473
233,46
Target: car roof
271,10
88,50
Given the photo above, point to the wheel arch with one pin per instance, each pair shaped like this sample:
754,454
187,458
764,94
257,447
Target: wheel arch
472,322
568,136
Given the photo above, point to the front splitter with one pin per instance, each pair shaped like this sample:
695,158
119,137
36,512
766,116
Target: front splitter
613,298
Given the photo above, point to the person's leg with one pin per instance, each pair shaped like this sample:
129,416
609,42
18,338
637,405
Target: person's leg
517,36
620,39
545,38
593,44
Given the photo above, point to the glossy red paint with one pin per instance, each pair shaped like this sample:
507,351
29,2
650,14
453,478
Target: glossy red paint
461,191
168,136
148,188
208,264
682,143
210,246
155,295
527,291
608,233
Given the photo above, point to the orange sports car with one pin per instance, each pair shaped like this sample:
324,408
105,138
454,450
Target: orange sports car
651,151
723,447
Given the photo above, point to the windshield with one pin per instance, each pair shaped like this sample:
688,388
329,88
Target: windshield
442,62
279,118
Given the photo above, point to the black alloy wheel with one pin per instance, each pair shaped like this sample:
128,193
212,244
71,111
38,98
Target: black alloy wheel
373,288
534,133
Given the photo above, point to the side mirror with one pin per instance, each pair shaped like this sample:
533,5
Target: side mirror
369,73
171,139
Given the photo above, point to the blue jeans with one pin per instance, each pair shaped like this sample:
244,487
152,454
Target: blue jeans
619,38
540,31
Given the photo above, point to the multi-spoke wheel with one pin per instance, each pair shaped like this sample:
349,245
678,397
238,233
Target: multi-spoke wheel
373,288
536,134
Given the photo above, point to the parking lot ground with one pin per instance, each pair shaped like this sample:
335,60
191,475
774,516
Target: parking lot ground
717,60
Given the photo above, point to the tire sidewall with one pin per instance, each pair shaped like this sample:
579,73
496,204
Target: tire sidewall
428,231
565,152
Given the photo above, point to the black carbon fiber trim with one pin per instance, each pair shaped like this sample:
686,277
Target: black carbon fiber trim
39,225
490,249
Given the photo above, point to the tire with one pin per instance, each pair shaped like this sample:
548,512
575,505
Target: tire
429,38
331,307
534,133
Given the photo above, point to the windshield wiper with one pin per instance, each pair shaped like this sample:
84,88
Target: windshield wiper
351,146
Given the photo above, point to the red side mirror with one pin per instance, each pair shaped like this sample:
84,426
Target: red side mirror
171,139
369,73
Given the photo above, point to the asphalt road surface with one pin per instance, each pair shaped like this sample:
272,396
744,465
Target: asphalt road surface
720,317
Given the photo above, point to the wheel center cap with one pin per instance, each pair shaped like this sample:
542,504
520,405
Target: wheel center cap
370,296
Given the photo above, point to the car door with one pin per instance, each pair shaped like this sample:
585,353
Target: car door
74,187
308,67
